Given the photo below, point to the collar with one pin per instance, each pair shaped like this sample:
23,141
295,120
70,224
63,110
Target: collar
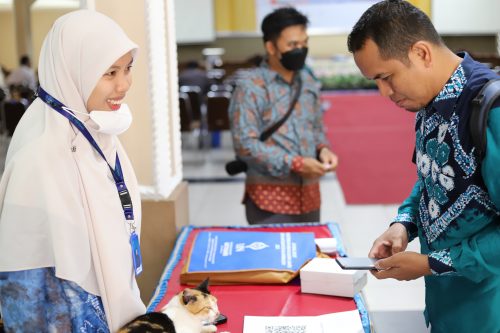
449,94
448,97
272,76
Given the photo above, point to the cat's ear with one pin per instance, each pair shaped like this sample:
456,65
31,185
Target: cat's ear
203,287
187,297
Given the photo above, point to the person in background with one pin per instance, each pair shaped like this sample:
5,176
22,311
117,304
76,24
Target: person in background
193,75
283,172
24,75
16,96
454,207
69,200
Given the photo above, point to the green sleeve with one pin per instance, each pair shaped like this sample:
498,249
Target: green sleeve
491,162
408,211
479,256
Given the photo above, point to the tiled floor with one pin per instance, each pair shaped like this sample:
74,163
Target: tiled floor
394,306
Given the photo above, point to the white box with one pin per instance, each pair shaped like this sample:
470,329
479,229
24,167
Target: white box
324,276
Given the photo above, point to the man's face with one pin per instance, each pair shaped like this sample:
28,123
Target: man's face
291,37
404,83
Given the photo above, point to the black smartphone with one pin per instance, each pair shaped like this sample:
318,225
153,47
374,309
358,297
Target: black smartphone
221,319
356,262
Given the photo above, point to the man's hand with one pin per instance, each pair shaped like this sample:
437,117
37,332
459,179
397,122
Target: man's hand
403,266
312,168
392,241
329,159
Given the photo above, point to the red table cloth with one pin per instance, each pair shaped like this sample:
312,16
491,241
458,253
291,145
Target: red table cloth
236,301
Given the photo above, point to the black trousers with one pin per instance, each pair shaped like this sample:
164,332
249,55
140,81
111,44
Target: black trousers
255,215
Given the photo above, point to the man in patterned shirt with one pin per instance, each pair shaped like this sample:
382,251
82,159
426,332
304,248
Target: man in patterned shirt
282,183
454,205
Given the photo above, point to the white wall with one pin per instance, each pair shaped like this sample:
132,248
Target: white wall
466,17
194,21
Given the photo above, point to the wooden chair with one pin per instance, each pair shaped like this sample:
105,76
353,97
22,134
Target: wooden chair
217,110
221,87
185,112
195,100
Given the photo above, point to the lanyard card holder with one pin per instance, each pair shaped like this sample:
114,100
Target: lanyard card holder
136,253
126,202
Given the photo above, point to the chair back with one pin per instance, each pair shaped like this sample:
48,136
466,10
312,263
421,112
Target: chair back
185,112
221,87
217,110
195,100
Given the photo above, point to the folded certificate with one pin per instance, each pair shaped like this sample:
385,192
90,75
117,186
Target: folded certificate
239,257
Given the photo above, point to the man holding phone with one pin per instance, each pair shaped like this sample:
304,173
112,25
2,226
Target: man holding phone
454,205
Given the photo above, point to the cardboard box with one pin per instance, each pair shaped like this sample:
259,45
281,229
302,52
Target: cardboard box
161,222
324,276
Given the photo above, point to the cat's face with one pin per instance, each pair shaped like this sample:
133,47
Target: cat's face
202,305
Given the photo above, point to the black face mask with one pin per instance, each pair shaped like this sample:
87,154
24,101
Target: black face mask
295,59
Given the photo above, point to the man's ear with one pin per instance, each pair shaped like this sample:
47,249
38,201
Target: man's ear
270,48
421,52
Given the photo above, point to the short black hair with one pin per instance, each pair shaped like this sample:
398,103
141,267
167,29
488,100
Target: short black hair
394,25
274,23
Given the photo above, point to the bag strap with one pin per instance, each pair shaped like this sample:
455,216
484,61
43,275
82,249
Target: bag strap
481,106
270,130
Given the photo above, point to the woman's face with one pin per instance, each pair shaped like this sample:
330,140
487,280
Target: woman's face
112,87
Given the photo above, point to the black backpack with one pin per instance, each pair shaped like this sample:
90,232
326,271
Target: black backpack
481,106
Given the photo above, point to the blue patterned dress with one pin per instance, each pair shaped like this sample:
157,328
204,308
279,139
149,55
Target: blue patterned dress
36,300
454,208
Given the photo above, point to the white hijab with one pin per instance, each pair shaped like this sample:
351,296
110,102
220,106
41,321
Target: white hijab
59,205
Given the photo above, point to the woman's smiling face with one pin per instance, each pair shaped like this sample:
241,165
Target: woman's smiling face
110,90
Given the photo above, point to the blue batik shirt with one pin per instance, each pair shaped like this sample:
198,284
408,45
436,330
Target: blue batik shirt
450,201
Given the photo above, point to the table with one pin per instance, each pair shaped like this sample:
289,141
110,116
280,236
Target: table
236,301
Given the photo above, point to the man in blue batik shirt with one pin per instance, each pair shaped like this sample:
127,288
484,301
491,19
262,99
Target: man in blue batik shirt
454,205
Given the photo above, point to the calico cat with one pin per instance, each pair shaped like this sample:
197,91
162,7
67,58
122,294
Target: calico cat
190,311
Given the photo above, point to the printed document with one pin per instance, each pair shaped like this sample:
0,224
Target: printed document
344,322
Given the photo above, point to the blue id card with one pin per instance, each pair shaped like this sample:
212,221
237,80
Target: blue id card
136,253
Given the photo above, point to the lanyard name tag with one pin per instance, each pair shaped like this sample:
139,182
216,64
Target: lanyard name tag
136,253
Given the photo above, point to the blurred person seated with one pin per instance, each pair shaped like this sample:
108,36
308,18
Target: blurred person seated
16,95
193,75
24,75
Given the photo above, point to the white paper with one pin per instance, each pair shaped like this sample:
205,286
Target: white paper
326,245
342,322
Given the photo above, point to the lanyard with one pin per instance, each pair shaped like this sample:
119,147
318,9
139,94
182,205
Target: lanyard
123,193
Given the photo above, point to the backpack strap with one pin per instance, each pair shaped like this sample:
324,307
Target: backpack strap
481,106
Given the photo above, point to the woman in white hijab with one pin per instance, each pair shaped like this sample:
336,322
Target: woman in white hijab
68,226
